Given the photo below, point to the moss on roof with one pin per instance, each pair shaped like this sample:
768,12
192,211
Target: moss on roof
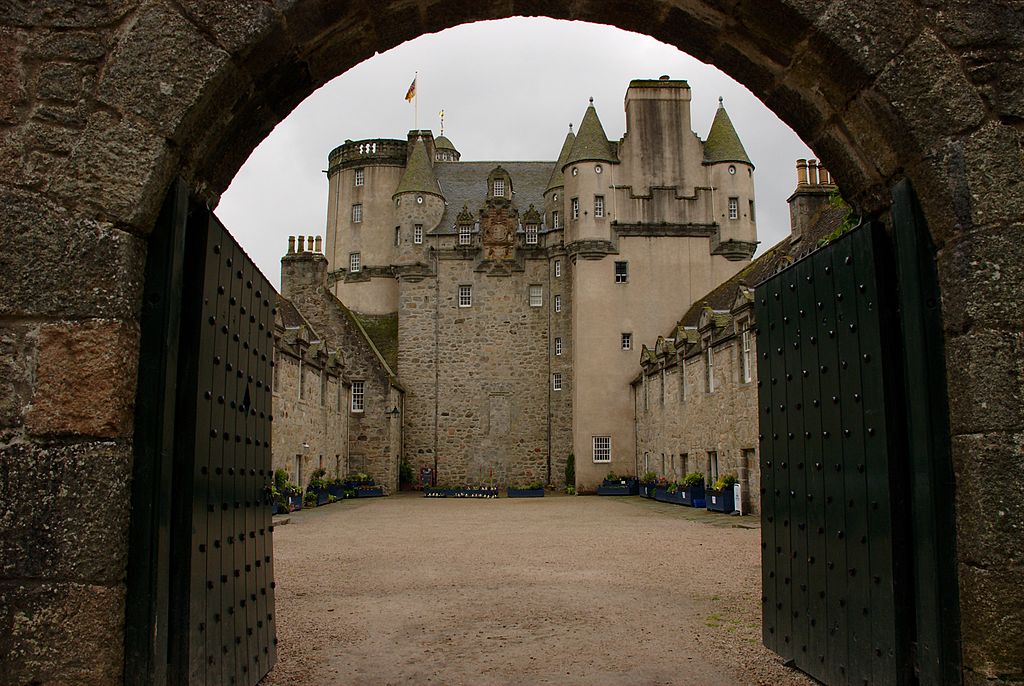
382,329
443,143
591,142
557,177
419,173
723,143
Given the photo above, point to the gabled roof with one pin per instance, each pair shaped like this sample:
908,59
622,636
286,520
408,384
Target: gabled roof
647,356
723,143
713,318
419,172
591,142
557,179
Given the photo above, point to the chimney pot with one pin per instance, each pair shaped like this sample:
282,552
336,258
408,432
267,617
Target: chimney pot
309,244
801,172
824,178
319,244
812,172
301,244
291,244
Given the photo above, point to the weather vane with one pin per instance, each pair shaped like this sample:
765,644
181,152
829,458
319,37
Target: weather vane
441,115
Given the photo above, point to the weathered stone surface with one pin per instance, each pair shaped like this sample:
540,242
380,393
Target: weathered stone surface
234,25
61,633
85,380
992,622
68,13
12,88
67,46
988,368
17,355
981,276
64,511
990,511
63,82
77,268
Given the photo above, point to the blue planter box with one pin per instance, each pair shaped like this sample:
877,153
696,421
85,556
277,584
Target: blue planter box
322,496
693,496
294,502
369,491
665,496
720,501
337,491
648,490
525,492
620,487
431,492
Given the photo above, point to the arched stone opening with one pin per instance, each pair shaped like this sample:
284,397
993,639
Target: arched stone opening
103,104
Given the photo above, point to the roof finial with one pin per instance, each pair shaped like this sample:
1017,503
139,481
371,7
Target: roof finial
570,127
591,99
441,115
720,103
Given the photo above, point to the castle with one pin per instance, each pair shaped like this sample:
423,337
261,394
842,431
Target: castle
487,314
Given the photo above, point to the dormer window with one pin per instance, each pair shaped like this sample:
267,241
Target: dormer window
531,234
499,188
465,234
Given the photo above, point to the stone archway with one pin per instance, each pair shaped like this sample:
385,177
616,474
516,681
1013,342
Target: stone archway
103,103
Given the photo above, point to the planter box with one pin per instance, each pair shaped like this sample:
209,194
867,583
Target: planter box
525,492
476,493
665,496
693,496
431,492
294,503
369,491
648,490
620,487
720,501
322,496
337,491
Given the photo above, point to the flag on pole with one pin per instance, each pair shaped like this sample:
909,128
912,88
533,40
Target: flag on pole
411,93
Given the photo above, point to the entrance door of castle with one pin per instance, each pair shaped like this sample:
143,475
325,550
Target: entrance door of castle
201,582
858,577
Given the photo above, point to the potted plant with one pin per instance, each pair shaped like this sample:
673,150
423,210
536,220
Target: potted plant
692,489
310,499
720,498
614,484
318,486
336,488
648,482
534,489
672,493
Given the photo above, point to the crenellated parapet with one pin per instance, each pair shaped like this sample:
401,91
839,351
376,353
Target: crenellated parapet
368,152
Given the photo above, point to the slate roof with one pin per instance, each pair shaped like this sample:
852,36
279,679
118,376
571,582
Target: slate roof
290,316
557,177
442,143
419,172
591,142
465,183
723,143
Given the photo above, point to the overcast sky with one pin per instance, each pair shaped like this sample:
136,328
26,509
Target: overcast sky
509,90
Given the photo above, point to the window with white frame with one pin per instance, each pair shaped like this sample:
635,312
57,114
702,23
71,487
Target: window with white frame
465,296
556,381
556,220
746,355
575,204
357,394
598,205
622,272
499,188
734,208
710,355
357,213
602,448
558,268
627,340
558,345
354,262
417,234
465,234
531,234
536,296
558,303
360,177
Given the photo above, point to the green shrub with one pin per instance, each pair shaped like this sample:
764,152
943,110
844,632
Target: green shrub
280,480
570,470
693,479
725,481
570,490
405,474
309,500
611,476
648,478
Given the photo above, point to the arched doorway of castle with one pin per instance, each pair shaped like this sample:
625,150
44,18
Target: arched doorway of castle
103,104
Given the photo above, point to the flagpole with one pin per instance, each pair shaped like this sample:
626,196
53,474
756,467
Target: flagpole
416,103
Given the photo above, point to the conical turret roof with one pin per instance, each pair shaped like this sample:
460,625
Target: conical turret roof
557,179
442,143
591,142
419,173
723,143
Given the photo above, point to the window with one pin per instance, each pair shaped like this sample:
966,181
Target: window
747,372
358,389
682,379
417,234
558,303
621,272
751,210
323,388
398,236
663,400
360,177
465,296
499,188
647,394
536,296
734,208
357,214
531,234
558,268
354,262
627,341
575,202
711,368
465,234
712,467
598,205
602,448
558,346
556,222
556,381
302,380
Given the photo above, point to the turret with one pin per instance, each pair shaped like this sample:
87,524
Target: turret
419,202
731,175
588,173
554,202
444,151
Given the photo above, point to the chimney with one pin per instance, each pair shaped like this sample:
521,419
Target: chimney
801,172
291,244
302,244
319,244
812,172
813,191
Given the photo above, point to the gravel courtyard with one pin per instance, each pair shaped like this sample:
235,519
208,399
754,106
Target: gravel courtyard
559,590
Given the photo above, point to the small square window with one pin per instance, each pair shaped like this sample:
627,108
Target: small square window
558,303
357,214
465,296
734,208
531,234
417,234
556,381
354,262
558,346
465,234
621,272
558,268
360,177
602,448
536,296
575,204
627,341
598,205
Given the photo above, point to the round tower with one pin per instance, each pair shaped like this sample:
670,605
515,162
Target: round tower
554,210
731,175
417,202
587,178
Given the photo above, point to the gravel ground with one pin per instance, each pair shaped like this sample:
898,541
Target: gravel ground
559,590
